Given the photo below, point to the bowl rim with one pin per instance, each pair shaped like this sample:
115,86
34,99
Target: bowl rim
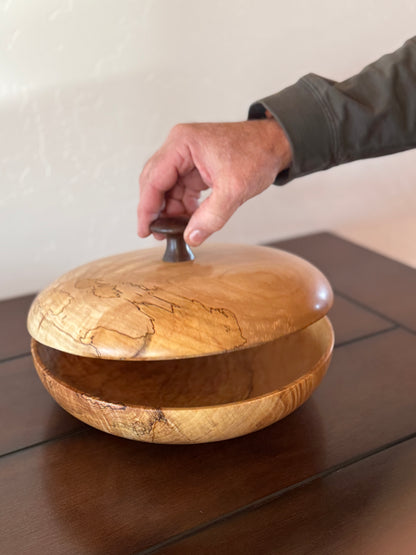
320,362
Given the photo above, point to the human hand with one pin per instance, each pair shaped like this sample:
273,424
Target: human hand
236,160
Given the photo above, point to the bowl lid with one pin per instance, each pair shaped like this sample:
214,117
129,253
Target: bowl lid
135,306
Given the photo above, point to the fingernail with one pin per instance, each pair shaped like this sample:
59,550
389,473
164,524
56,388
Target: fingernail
196,237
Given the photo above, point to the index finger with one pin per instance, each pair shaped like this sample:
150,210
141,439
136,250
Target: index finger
159,176
150,205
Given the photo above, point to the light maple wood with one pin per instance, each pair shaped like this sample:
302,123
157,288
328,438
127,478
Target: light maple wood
134,306
194,400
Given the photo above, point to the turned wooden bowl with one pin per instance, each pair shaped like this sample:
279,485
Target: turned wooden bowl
194,400
181,349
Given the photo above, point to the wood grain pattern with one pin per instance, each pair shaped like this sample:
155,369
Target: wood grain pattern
366,508
14,338
384,285
134,306
34,416
95,493
193,400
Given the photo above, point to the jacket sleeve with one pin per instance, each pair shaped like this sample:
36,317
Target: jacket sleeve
330,123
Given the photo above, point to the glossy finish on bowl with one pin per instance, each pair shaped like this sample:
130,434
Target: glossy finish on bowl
135,307
196,400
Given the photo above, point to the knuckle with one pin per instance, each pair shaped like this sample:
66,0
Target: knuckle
179,130
144,175
216,219
232,195
143,180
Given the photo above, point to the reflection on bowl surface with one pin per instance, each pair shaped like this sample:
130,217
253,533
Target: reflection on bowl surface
133,398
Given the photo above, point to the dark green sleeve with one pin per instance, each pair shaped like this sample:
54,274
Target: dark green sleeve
330,123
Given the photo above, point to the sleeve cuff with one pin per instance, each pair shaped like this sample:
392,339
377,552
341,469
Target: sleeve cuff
301,112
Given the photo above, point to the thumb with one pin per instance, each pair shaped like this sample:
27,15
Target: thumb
210,216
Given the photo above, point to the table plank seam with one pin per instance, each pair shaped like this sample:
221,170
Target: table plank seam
352,300
395,325
67,435
366,336
84,428
274,496
15,357
363,248
336,235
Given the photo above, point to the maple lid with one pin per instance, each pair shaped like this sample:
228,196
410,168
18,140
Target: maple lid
135,306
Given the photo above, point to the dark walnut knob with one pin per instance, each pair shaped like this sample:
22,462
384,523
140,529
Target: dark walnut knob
176,248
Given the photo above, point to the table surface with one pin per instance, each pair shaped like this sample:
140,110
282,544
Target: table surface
336,476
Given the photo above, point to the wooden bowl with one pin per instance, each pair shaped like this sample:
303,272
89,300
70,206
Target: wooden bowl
192,400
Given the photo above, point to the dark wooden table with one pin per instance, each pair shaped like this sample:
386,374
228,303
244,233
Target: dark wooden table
336,476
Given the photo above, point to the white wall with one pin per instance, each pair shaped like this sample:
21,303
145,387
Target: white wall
89,88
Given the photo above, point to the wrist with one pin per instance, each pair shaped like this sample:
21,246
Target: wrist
278,142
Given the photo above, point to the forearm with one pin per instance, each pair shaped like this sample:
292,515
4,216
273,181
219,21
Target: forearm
329,123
